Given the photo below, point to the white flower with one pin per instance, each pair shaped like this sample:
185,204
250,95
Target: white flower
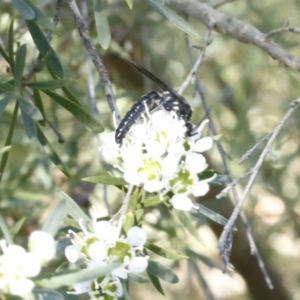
103,246
16,265
42,245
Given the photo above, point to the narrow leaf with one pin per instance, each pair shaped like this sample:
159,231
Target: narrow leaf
73,209
11,45
59,280
30,109
4,54
4,149
130,3
5,231
50,84
9,139
102,25
17,226
151,201
51,152
155,281
211,214
29,124
39,104
77,111
4,102
162,272
6,86
187,223
45,294
164,253
138,277
19,65
56,216
45,48
70,95
24,9
174,18
108,180
40,18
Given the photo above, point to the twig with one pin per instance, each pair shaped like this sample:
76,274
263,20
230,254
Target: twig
235,28
83,31
61,138
282,29
191,77
225,242
232,184
222,3
250,151
253,248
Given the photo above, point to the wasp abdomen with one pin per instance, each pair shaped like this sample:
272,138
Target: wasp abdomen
135,113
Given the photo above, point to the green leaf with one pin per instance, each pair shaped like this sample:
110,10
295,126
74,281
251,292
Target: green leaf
138,277
50,84
211,214
39,104
151,201
51,152
130,3
40,18
102,25
4,54
164,253
29,124
19,65
6,86
6,233
173,18
59,280
45,294
11,45
9,139
56,217
155,281
29,108
4,102
70,95
106,179
73,209
4,149
162,272
45,48
24,9
17,226
187,223
77,111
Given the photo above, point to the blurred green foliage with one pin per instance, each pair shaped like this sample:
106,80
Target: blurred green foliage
248,92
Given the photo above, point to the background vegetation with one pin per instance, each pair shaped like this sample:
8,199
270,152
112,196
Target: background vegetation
247,92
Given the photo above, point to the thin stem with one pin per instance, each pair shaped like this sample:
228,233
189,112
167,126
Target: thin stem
90,47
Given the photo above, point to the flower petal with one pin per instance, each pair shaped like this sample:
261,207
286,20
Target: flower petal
136,236
182,202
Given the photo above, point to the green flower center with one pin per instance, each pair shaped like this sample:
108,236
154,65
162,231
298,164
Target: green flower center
150,168
120,250
181,183
85,248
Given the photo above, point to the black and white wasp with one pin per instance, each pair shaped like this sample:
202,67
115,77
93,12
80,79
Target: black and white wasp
170,100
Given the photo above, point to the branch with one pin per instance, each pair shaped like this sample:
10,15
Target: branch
224,156
225,242
90,47
235,28
283,29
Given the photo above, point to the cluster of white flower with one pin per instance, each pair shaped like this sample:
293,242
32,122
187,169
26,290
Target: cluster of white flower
157,154
102,247
17,265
